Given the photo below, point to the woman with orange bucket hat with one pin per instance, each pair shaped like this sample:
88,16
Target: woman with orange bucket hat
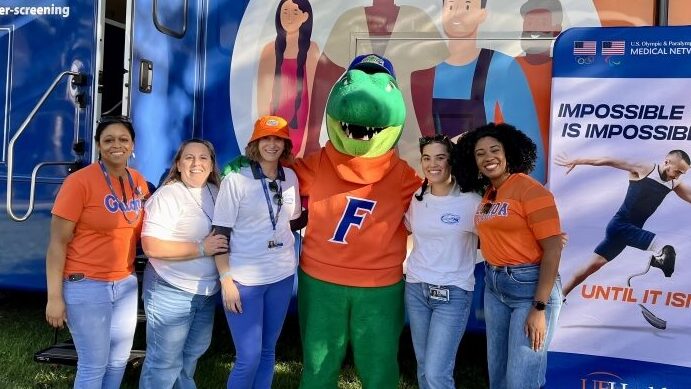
254,208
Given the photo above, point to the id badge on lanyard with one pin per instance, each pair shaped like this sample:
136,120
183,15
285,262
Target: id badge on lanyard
439,293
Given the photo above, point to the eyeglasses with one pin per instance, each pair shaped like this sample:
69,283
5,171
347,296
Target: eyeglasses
275,188
439,138
491,198
107,119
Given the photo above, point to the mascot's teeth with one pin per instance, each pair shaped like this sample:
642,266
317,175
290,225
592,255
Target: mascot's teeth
353,131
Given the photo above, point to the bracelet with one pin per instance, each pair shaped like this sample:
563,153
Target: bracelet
202,253
224,275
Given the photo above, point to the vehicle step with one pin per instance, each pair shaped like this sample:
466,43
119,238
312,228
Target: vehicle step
65,354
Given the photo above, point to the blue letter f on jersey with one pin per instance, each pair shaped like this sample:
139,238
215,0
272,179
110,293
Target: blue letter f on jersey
354,215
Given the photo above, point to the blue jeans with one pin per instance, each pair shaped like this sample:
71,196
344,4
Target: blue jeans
509,293
179,325
101,316
436,328
255,332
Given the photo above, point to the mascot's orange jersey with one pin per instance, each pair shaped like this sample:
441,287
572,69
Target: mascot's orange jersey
366,245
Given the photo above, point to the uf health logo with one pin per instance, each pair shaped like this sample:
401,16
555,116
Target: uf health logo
113,204
354,215
605,380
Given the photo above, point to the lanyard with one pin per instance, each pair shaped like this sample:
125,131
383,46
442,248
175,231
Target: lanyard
213,200
274,220
122,204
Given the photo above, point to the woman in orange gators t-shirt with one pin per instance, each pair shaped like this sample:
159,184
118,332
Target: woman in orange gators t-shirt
90,260
520,238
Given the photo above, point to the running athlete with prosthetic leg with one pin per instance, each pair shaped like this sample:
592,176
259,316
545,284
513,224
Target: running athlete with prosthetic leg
649,184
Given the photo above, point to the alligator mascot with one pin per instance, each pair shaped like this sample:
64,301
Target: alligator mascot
356,189
351,266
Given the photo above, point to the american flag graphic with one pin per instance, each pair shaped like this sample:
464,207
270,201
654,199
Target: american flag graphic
584,48
613,47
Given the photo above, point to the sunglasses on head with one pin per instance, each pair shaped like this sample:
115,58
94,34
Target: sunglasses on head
114,119
275,188
439,138
491,198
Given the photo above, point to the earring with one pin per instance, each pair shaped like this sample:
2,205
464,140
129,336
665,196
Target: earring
479,175
133,156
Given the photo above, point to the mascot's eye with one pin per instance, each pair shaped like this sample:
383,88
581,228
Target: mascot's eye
391,86
346,81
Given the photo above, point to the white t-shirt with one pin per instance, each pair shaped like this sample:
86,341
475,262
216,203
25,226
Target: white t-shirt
242,206
444,239
174,213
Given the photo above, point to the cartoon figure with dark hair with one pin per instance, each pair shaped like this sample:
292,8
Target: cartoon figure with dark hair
649,184
542,22
473,86
286,70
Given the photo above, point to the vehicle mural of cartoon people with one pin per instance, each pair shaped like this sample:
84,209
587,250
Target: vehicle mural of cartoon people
408,32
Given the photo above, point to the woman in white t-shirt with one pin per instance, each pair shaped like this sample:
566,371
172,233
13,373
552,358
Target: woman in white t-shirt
254,208
439,274
180,280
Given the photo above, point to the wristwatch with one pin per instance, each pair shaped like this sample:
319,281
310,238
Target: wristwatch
539,305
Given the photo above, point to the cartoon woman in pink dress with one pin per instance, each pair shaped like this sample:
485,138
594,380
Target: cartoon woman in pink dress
286,70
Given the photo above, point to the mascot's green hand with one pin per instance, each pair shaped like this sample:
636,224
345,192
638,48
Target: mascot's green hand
235,165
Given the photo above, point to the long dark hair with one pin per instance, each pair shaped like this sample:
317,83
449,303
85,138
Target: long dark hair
442,140
520,150
304,36
173,173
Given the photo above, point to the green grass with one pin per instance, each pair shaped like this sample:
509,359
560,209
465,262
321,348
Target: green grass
24,332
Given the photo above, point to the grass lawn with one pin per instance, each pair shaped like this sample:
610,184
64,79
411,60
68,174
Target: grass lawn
24,332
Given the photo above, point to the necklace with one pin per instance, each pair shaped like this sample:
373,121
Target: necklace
213,200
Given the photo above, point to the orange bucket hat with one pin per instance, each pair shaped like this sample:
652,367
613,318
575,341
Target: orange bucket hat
269,125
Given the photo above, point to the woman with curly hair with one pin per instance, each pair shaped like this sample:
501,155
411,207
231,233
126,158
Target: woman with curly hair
520,238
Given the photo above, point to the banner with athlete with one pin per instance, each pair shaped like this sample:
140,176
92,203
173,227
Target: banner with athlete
620,144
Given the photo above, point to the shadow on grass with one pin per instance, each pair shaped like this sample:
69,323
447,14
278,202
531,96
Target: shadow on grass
25,332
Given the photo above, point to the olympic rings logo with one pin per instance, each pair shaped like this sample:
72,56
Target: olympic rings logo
585,60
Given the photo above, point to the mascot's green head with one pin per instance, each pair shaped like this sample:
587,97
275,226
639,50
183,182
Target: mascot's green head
365,111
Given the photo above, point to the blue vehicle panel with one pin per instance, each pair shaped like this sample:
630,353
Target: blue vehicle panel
186,49
37,43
